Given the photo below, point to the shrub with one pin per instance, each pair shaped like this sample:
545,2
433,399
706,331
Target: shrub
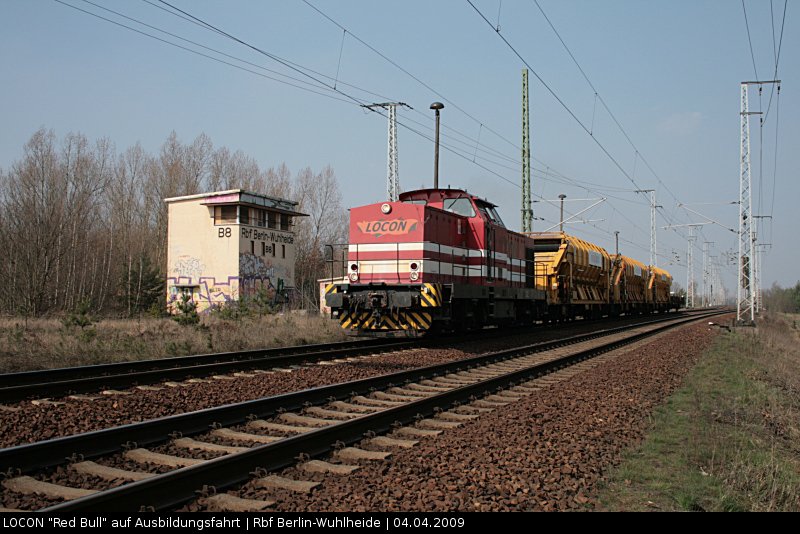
81,316
187,311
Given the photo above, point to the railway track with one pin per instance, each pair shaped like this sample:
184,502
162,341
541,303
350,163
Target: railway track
269,434
56,383
91,378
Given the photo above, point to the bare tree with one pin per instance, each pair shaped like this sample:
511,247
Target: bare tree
320,198
86,224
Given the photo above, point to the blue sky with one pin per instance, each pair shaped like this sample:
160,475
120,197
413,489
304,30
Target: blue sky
668,71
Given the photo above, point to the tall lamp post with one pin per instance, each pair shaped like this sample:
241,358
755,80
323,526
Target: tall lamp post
436,106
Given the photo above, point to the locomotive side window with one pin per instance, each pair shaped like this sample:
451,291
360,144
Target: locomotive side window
420,201
490,214
459,206
497,218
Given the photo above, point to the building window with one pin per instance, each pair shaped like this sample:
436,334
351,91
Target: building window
283,251
244,215
253,248
263,249
262,218
273,250
271,219
286,220
224,214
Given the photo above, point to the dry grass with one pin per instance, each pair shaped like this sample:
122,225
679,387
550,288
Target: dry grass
48,343
730,438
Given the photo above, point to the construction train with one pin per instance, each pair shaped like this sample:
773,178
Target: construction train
442,259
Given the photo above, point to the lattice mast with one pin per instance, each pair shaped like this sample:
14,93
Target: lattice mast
758,248
527,212
653,207
746,290
690,269
689,259
707,282
745,303
392,173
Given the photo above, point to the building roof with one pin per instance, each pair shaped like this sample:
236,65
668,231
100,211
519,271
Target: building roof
240,196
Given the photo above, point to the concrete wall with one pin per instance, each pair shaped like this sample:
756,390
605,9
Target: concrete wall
201,254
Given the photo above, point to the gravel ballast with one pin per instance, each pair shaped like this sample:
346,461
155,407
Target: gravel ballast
546,451
27,423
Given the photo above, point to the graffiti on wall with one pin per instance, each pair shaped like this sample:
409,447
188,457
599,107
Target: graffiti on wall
206,291
252,266
187,266
260,274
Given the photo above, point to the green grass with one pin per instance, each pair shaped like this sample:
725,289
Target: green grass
727,440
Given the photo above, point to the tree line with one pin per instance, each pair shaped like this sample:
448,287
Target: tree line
83,223
781,299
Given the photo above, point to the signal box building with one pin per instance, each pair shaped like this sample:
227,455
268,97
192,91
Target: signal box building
228,245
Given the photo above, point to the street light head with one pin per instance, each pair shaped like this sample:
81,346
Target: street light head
437,106
562,196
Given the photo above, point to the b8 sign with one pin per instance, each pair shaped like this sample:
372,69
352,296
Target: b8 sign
224,232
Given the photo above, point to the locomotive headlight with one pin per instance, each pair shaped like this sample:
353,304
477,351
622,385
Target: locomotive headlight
386,209
354,267
414,276
414,266
353,277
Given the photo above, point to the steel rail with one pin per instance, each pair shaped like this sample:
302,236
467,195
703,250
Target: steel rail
70,380
89,371
171,489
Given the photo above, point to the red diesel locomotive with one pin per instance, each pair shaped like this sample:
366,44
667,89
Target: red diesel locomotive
443,258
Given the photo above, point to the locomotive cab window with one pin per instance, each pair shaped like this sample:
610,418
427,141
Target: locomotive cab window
459,206
420,201
490,214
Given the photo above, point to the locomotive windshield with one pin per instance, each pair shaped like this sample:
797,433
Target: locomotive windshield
459,206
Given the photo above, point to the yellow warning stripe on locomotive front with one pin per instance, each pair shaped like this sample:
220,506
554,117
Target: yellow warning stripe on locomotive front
398,321
353,320
431,295
331,288
418,320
